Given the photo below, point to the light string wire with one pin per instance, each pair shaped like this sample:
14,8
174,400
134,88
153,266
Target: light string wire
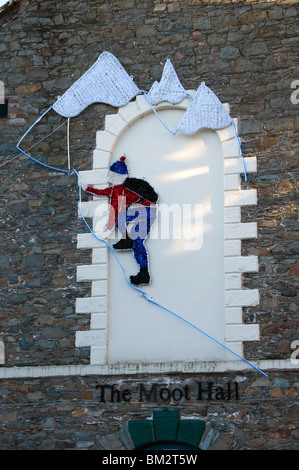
151,300
34,159
155,112
240,147
68,144
32,146
141,292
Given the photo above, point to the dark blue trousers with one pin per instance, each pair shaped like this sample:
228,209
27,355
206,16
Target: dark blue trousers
145,217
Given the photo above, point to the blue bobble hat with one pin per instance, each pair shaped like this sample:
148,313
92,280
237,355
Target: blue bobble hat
120,167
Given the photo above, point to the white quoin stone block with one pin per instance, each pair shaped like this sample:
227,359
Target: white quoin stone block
236,165
227,133
98,321
242,231
91,305
231,148
93,177
232,247
100,255
101,159
242,298
236,347
233,315
105,140
242,332
233,281
91,272
246,197
231,182
115,124
97,355
94,208
87,240
99,288
241,264
130,112
95,338
232,215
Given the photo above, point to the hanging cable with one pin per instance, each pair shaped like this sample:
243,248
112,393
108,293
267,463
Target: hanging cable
29,156
153,109
240,147
68,145
152,301
34,145
141,292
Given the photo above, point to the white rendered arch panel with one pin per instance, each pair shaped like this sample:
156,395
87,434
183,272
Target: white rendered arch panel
234,331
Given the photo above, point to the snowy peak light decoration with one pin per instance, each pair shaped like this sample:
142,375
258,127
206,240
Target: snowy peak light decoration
205,111
106,81
168,89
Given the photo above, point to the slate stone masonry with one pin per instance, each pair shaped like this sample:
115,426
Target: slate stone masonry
247,53
67,413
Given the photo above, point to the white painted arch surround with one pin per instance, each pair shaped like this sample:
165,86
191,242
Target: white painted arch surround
235,332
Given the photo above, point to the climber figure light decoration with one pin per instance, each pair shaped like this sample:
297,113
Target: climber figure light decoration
132,201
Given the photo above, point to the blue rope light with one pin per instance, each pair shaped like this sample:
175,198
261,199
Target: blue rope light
29,156
141,292
240,147
153,109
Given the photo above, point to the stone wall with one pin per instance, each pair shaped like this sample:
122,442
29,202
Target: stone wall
67,413
247,53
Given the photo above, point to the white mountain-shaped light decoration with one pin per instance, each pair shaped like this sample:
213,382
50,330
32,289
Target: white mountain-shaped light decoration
106,81
205,111
168,89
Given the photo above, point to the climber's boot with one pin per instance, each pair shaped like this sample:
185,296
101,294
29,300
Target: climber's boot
125,243
142,277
